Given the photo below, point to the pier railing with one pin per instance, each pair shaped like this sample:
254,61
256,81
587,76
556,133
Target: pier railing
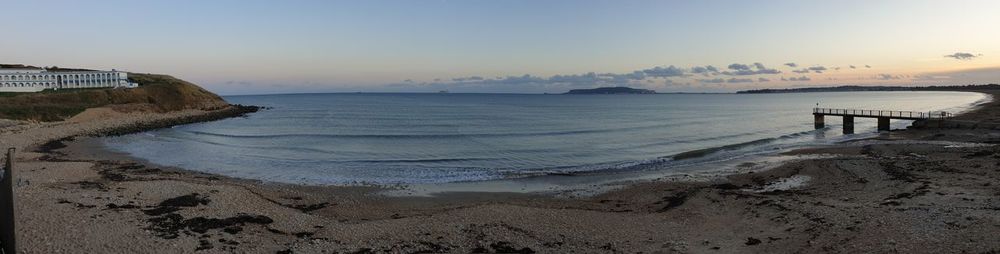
883,113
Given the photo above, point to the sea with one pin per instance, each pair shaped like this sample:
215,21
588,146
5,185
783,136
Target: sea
414,138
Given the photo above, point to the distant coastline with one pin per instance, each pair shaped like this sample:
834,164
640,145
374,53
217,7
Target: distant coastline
873,89
611,90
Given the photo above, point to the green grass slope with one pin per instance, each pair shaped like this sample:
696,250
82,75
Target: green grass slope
159,93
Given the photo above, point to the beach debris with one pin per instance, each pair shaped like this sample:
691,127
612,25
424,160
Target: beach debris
752,241
203,245
77,205
113,206
891,203
506,247
675,200
190,200
51,146
171,225
783,184
89,185
979,153
309,207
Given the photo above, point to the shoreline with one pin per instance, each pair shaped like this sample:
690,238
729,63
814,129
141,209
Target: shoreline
685,166
768,210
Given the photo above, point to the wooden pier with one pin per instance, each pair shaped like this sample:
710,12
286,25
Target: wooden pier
883,116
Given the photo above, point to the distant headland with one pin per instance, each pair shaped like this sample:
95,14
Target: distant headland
875,88
611,90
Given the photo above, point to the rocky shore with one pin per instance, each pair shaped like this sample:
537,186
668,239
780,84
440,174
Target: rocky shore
929,190
234,110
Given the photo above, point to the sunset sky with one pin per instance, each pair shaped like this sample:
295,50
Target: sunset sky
253,47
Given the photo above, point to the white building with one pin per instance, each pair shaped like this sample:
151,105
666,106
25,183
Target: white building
35,80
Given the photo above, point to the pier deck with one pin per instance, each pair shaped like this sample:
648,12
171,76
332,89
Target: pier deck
883,116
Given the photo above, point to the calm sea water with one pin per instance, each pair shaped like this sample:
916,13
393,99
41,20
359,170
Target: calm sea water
432,138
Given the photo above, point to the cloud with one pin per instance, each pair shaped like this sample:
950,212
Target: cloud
883,76
516,80
853,67
801,71
963,56
408,80
967,76
836,68
793,65
803,78
714,81
472,78
664,75
739,67
868,66
576,79
239,82
661,72
817,69
739,80
705,70
744,69
930,77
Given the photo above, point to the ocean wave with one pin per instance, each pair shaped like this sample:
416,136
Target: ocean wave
703,152
457,135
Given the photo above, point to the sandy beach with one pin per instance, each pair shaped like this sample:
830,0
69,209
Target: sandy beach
923,190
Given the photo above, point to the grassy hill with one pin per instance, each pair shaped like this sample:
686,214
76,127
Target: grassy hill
157,93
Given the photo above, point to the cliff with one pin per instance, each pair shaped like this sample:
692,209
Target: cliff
156,93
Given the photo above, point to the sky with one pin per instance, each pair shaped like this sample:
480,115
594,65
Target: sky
512,46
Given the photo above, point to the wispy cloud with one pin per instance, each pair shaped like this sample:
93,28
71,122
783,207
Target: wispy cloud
793,65
472,78
968,76
883,76
963,56
739,80
713,81
817,69
749,69
803,78
658,74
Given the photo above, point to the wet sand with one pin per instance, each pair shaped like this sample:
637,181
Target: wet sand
913,191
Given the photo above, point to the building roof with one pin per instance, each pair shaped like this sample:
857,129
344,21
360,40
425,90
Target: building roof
20,70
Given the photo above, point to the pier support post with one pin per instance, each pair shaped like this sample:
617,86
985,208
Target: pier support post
818,121
848,125
883,124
